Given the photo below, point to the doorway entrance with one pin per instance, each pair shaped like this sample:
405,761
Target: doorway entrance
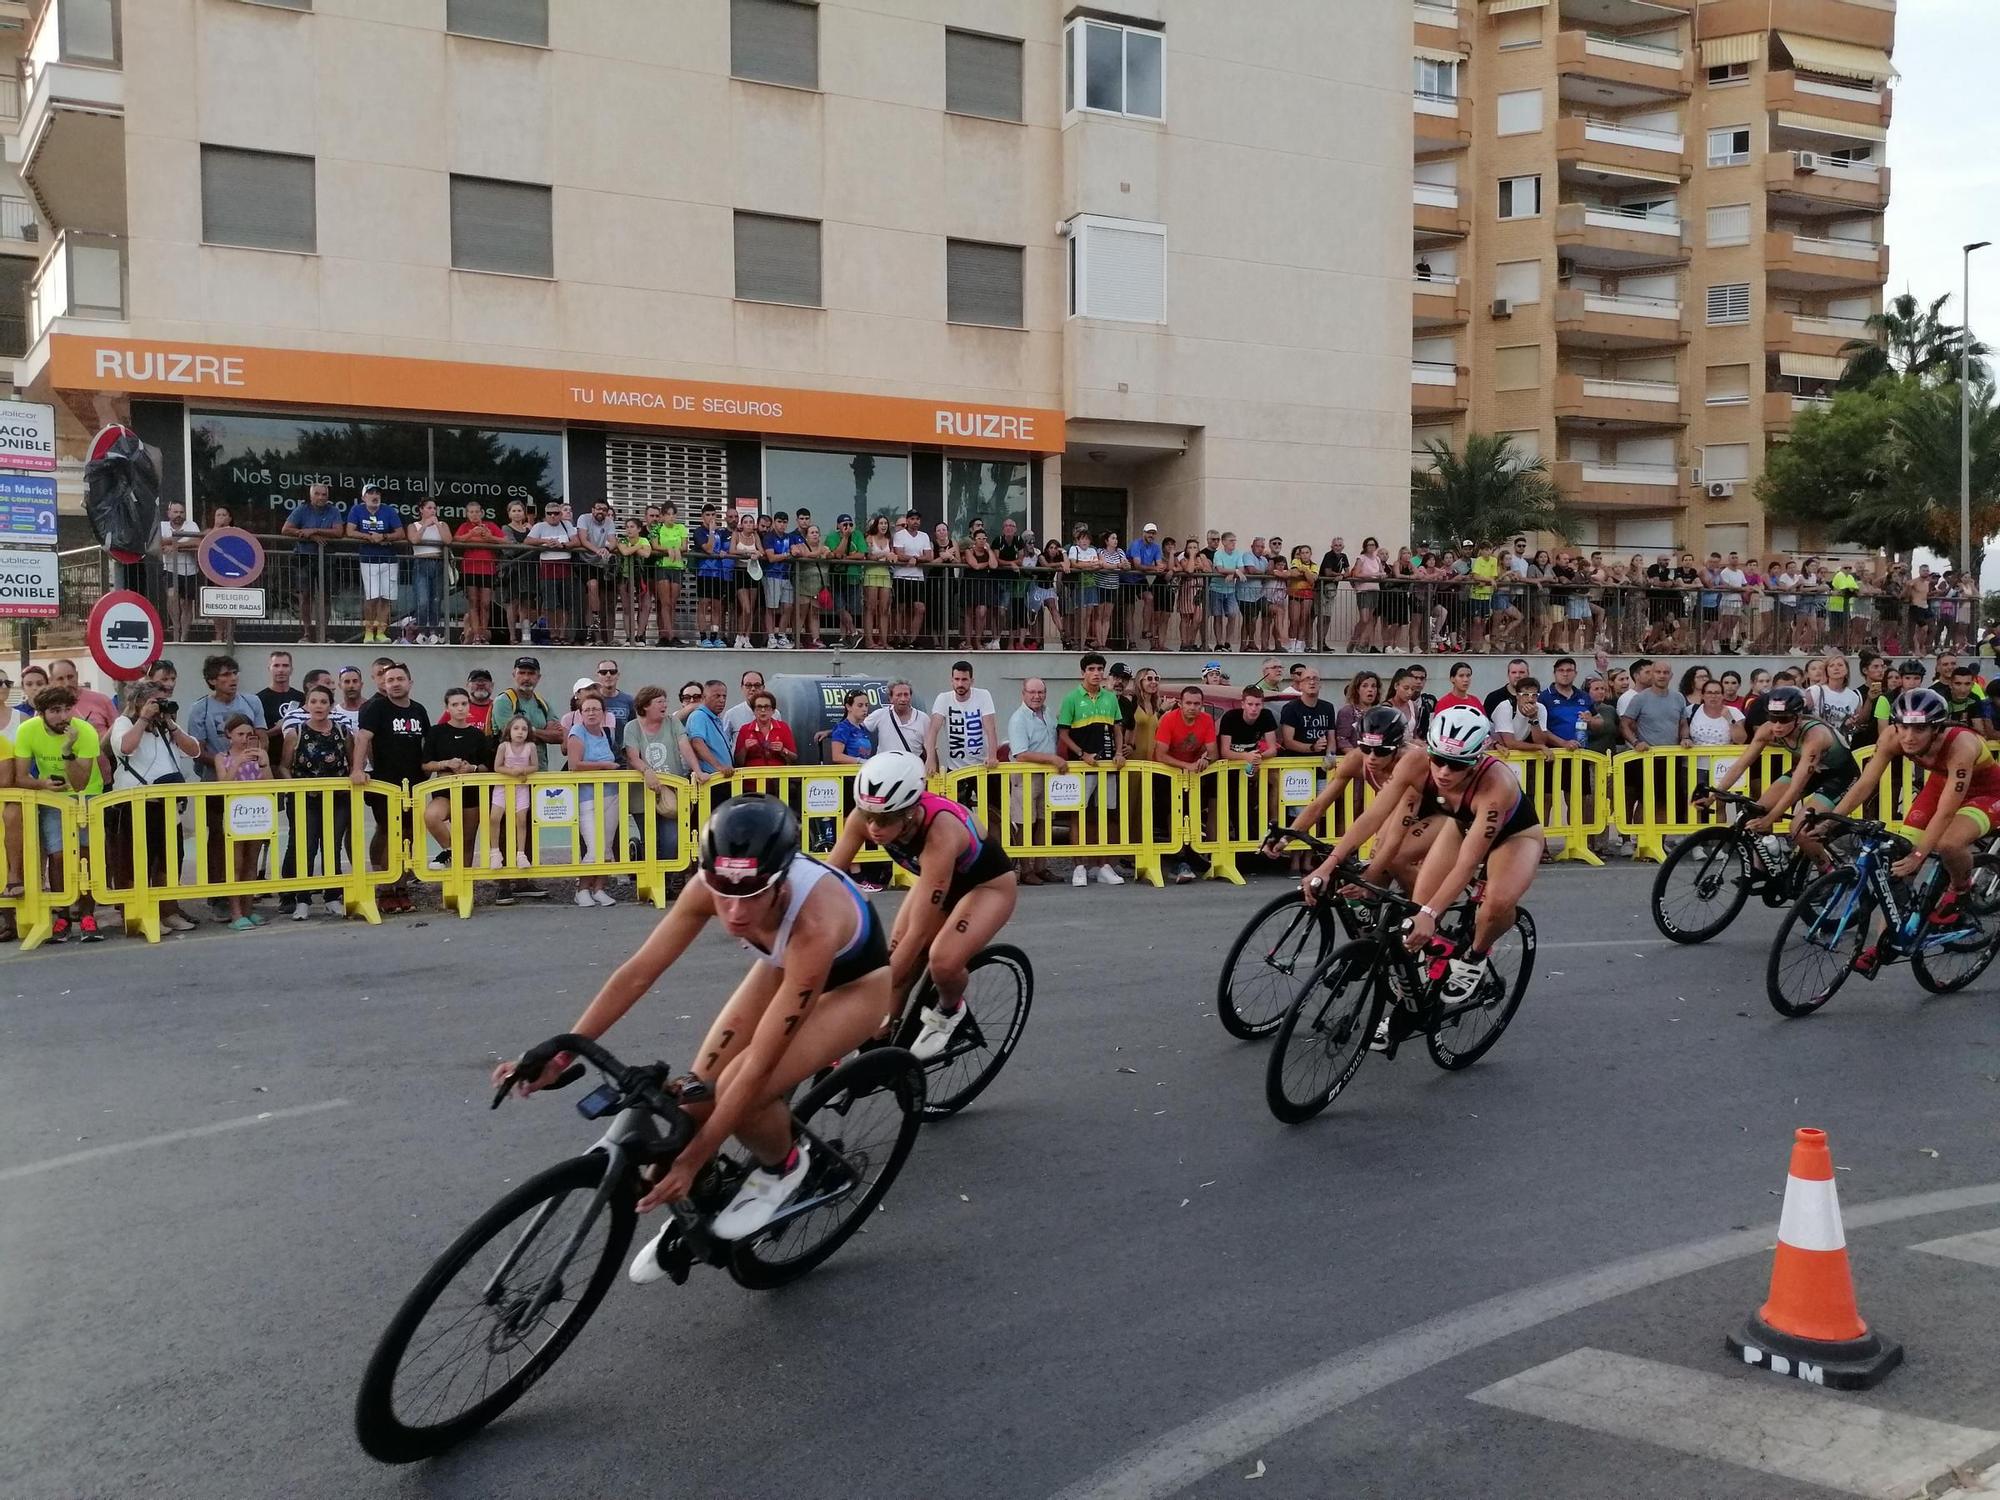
1101,510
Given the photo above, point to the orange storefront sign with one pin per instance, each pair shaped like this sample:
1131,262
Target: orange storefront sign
310,377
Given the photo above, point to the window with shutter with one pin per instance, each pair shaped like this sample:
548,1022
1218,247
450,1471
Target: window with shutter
258,198
982,75
1729,147
1729,303
1520,113
1519,281
1522,29
1728,385
1725,462
500,20
650,471
777,259
502,226
1729,224
1518,368
983,283
774,41
1118,269
1435,79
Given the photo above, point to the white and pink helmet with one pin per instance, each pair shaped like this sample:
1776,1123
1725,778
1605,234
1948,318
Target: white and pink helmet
1458,733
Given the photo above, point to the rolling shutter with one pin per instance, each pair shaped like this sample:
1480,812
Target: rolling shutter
650,471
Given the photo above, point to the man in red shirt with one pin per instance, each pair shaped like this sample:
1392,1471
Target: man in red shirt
1185,740
1460,695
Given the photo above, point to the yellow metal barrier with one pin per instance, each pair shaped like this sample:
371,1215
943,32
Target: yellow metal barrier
820,796
197,821
27,857
1131,813
487,826
1571,790
1228,811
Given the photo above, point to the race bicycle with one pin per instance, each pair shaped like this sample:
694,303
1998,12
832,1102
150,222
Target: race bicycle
1331,1023
1285,938
1713,872
999,989
504,1300
1826,936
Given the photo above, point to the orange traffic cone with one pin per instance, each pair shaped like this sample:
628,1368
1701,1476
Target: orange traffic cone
1809,1328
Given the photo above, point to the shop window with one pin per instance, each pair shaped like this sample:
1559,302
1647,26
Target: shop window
992,490
829,482
261,199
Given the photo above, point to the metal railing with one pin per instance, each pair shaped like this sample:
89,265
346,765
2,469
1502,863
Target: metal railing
10,96
82,276
1611,133
17,219
823,603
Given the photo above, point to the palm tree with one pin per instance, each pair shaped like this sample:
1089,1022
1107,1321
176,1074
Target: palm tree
1908,340
1485,491
1918,505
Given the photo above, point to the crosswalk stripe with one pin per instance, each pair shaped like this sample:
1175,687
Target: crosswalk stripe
1756,1423
1982,1248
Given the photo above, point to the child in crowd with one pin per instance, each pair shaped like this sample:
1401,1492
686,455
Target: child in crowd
517,756
248,758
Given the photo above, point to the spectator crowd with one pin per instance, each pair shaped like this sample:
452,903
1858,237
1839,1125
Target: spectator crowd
783,581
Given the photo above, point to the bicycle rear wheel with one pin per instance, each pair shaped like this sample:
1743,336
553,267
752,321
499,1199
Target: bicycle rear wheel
1324,1035
1954,965
867,1112
1814,951
1470,1035
1701,887
998,991
1260,974
431,1380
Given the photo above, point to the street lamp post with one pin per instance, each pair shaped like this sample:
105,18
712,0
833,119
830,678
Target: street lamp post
1965,415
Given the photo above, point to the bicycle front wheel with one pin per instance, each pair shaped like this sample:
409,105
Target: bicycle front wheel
1260,975
1701,887
999,988
1815,948
1952,966
1470,1035
865,1115
1324,1035
494,1312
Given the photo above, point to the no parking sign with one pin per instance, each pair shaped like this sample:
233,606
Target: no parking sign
230,557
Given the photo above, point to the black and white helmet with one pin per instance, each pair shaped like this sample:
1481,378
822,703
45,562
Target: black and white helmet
889,782
1458,733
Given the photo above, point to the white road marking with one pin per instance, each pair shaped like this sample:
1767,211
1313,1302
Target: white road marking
171,1137
1608,943
1182,1455
1774,1427
1982,1249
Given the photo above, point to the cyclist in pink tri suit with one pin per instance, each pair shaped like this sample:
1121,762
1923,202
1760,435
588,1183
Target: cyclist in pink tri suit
965,888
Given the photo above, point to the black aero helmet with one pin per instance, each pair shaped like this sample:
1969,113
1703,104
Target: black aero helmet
1784,701
1383,728
1920,707
747,845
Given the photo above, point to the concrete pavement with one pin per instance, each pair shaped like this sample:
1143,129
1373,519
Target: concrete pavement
1087,1285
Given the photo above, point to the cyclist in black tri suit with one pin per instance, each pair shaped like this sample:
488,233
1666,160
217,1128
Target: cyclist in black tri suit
1822,769
965,885
1382,745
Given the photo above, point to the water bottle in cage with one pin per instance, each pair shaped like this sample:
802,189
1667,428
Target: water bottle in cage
1775,853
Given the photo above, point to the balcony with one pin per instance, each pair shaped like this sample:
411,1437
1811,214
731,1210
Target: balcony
1620,12
1865,23
1443,122
1856,103
1800,262
20,234
1437,24
1633,75
1800,333
1811,182
1438,387
1595,235
1439,301
1619,403
1781,408
1593,320
82,276
1607,146
1436,212
70,147
1636,486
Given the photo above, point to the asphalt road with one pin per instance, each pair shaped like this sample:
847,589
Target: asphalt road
1096,1283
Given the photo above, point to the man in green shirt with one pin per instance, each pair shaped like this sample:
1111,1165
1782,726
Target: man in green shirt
1842,588
1092,730
669,541
57,752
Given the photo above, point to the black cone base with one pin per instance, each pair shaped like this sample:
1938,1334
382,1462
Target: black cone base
1844,1365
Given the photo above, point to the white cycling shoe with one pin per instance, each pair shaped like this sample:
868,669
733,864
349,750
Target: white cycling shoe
646,1268
1461,981
937,1031
764,1193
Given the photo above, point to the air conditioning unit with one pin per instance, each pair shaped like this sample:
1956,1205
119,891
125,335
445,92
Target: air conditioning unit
1805,161
1565,267
1502,308
1720,489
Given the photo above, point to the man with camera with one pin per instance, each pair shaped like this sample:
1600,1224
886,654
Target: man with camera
149,748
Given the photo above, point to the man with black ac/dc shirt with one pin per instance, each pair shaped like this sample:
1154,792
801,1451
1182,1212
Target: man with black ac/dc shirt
389,746
1248,733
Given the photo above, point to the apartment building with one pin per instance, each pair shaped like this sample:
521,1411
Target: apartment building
1644,230
980,258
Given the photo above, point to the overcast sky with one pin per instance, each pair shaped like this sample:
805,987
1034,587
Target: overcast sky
1944,152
